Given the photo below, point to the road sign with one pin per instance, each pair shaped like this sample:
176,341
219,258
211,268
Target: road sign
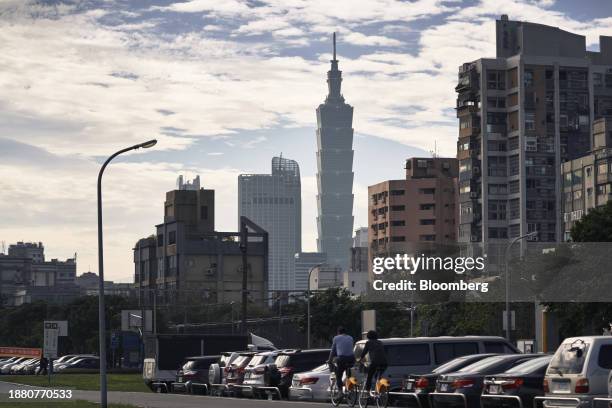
50,340
61,325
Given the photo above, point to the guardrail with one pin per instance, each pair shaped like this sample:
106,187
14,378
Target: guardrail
596,402
408,395
448,395
158,386
216,387
560,399
508,397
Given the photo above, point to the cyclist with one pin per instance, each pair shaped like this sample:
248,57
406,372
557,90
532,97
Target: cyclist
377,357
342,352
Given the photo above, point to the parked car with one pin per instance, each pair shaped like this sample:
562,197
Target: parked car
311,385
578,371
257,373
81,365
464,386
422,385
521,383
218,371
16,368
6,367
68,359
235,371
290,362
192,376
27,367
421,355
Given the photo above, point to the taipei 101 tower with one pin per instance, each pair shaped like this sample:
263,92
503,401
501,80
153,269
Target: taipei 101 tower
335,171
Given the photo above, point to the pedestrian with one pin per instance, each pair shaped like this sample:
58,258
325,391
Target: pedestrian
42,366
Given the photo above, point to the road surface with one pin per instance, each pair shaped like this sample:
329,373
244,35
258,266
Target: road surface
152,400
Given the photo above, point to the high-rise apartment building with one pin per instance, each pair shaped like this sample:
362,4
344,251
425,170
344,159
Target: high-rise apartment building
335,171
587,181
420,208
274,202
521,115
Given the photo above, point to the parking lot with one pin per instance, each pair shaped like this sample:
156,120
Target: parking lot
422,372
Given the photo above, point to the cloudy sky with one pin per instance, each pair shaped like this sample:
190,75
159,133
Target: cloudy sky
224,86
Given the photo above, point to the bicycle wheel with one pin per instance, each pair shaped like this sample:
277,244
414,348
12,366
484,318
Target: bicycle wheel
352,397
364,397
334,393
382,399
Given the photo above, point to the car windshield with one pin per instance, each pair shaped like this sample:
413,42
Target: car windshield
569,358
530,366
282,360
241,360
482,364
257,360
321,368
450,366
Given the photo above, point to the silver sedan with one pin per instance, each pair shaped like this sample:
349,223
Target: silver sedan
311,385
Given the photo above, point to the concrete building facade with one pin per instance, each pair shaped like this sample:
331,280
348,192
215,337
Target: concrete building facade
335,171
274,202
25,276
419,208
587,181
355,279
192,261
521,115
304,263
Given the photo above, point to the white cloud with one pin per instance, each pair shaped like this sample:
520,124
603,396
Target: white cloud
362,39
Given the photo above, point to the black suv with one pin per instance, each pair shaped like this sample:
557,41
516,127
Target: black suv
289,362
194,371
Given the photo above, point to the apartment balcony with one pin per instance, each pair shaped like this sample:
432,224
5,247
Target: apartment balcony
604,178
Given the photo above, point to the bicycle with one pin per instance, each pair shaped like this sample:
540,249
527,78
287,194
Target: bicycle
351,389
380,394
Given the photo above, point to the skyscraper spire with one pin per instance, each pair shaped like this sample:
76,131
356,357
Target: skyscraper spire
334,77
334,46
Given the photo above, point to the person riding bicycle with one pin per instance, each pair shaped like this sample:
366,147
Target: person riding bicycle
342,352
376,357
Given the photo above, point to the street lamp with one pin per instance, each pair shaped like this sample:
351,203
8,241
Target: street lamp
101,315
508,317
308,304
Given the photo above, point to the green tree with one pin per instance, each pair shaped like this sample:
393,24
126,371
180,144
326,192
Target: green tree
596,226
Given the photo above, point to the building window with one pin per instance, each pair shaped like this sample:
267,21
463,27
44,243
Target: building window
427,237
529,120
160,240
398,239
422,164
398,223
500,233
528,78
428,207
497,210
397,192
171,237
204,212
398,208
427,190
428,221
498,188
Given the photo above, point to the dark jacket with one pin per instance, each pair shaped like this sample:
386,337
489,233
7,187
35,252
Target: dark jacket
376,352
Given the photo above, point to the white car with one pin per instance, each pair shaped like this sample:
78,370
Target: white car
6,368
311,385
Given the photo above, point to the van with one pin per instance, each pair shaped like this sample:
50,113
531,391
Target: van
578,372
421,355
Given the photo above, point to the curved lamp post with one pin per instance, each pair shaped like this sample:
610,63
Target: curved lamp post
101,315
507,254
308,304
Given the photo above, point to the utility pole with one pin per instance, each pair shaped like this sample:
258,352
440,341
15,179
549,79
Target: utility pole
244,237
